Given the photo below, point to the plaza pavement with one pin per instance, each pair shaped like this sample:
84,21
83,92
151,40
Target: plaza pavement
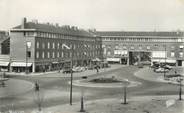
138,104
148,74
75,74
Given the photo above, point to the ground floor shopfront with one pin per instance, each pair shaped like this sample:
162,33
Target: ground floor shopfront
43,66
136,57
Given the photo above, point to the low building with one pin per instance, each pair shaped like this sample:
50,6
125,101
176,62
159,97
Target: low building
40,47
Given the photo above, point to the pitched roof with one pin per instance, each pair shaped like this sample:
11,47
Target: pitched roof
67,30
140,33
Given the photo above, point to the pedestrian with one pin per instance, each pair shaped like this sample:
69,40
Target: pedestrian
175,72
37,87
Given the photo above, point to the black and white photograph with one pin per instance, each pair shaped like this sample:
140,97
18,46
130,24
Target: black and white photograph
91,56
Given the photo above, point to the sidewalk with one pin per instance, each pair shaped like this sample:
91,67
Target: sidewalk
60,74
144,104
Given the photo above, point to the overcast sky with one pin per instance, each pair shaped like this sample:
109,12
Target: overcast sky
132,15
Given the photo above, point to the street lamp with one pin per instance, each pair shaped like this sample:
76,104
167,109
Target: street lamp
71,71
180,87
125,83
82,97
71,80
165,61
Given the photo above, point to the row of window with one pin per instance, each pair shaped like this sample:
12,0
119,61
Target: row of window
65,54
180,54
58,45
140,39
124,46
56,35
159,54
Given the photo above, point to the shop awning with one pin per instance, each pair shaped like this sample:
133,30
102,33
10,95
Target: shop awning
4,63
113,59
163,60
20,64
55,62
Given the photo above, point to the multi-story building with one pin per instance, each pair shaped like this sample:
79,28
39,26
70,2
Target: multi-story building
128,47
4,50
44,47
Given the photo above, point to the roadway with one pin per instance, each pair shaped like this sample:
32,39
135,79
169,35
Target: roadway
56,90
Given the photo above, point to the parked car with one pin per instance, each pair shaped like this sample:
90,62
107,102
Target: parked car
167,67
78,69
173,75
161,70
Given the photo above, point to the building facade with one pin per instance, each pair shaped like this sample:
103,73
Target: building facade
129,47
40,47
4,51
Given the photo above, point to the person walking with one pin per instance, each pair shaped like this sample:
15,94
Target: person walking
37,87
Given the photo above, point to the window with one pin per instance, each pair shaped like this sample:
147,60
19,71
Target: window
53,45
124,47
70,54
172,54
180,54
62,54
28,45
43,45
43,55
148,47
53,55
48,54
131,47
29,54
37,45
181,46
74,46
58,45
37,54
108,53
58,54
172,47
116,47
48,45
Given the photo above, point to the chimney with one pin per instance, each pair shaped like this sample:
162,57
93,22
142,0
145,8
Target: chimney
23,23
57,25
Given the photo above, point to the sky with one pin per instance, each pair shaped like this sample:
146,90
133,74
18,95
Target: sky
102,15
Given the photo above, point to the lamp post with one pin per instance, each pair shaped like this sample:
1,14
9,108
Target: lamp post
71,71
82,97
26,58
165,61
71,79
125,84
180,87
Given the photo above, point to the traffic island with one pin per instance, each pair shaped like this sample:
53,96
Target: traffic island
105,82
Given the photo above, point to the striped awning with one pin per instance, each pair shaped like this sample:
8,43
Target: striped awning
20,64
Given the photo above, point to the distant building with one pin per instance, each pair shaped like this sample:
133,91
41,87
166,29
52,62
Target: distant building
129,47
45,47
4,51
